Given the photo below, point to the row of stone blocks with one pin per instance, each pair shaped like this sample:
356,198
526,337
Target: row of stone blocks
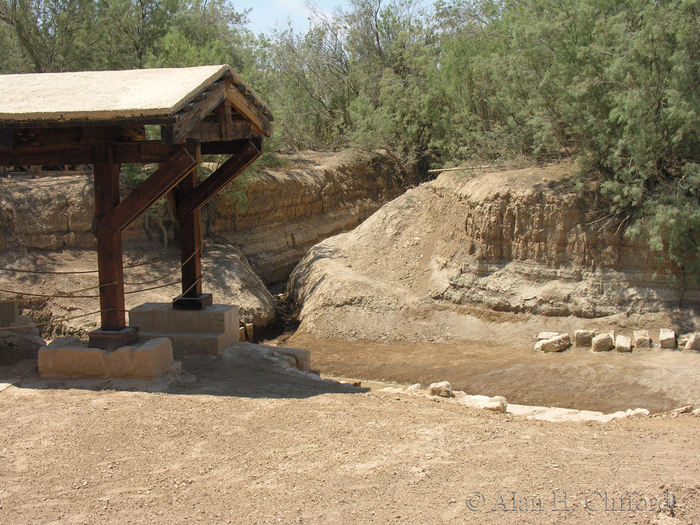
163,332
556,342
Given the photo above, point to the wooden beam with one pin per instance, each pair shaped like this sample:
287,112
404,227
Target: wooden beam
6,135
147,193
124,153
248,110
151,152
224,147
46,155
190,241
98,123
109,246
188,118
229,170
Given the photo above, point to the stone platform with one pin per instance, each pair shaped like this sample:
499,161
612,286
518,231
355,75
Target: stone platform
68,358
207,331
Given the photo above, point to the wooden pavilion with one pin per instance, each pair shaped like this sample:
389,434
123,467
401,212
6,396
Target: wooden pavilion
100,118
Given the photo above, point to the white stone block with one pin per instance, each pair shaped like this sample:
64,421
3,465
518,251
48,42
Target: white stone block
558,343
441,389
153,358
495,404
693,342
602,343
623,343
120,363
299,358
641,339
667,338
583,338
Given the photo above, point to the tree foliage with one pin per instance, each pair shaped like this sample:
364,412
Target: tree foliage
614,83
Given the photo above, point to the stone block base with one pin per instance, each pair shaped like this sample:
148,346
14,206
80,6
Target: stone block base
206,343
69,358
207,331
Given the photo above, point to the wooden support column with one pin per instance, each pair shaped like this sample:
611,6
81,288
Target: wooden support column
187,201
191,252
113,333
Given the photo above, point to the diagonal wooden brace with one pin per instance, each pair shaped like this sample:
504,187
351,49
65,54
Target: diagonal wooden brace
148,192
212,185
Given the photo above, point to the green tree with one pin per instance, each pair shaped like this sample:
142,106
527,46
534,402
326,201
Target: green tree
203,32
54,35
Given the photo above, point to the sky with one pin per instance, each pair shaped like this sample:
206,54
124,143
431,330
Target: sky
268,14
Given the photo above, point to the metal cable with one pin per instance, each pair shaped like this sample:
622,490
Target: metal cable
147,263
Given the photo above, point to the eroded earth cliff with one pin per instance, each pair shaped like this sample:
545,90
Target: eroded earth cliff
512,241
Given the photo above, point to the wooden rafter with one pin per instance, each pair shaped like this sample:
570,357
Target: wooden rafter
147,193
192,114
248,109
213,184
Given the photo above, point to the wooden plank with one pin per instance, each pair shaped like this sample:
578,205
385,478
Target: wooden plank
109,245
223,118
229,170
212,131
190,241
46,155
6,135
68,136
186,120
249,110
147,193
124,153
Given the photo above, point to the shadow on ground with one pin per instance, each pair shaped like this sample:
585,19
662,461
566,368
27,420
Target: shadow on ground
239,372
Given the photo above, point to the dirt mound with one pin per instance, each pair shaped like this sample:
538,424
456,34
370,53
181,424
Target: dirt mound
226,272
276,216
441,261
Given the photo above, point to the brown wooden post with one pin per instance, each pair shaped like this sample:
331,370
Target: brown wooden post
113,333
191,251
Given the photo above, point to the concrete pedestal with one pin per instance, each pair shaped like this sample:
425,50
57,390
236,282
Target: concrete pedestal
207,331
68,358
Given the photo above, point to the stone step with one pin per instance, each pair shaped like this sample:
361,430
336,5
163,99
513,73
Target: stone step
193,342
161,317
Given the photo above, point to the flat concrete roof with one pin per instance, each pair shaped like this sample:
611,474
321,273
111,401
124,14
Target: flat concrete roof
98,95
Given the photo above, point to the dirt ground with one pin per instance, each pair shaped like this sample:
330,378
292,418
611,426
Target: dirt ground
237,440
658,380
248,443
